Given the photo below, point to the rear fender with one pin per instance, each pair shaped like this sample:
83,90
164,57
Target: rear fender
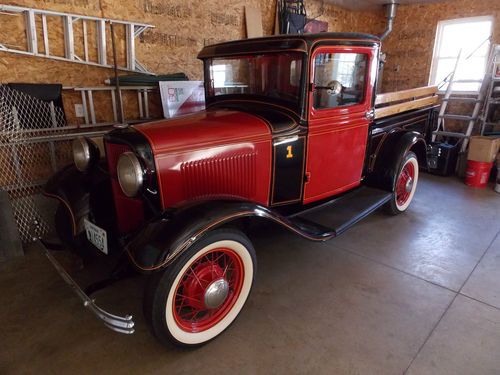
391,156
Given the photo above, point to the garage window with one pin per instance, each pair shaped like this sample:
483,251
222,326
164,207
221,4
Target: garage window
472,36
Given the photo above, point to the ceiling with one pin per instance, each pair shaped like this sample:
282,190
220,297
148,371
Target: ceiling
373,4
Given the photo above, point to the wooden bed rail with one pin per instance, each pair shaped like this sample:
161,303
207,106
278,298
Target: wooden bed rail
405,100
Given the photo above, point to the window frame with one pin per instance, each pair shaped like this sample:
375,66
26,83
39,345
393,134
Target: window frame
363,91
365,105
438,42
296,106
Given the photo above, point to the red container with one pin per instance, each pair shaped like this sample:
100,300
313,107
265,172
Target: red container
478,173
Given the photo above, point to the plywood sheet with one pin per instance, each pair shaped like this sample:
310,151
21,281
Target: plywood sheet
253,21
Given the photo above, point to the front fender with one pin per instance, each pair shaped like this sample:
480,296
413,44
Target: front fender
80,192
163,239
391,156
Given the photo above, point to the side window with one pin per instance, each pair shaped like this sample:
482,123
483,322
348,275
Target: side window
295,69
339,79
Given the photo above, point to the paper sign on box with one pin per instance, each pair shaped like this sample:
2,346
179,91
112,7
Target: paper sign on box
182,97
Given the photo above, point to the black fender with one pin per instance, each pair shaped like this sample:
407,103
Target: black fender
82,194
391,155
164,238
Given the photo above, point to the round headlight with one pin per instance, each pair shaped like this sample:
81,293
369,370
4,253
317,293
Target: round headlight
130,174
81,153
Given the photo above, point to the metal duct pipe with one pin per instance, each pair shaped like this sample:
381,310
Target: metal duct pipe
391,14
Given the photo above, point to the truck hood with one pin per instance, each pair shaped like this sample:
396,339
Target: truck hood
204,129
216,126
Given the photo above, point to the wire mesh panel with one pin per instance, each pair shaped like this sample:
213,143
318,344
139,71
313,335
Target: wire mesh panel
27,158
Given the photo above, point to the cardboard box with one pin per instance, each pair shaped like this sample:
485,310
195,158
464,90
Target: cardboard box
483,149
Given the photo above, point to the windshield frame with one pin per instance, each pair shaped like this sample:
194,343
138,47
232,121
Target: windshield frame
296,107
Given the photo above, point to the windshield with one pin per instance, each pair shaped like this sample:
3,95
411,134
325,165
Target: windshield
270,75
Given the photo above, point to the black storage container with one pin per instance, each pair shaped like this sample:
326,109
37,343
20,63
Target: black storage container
442,158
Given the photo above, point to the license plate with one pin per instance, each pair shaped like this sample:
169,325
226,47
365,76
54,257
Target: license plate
97,236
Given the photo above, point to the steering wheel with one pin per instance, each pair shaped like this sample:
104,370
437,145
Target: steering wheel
332,88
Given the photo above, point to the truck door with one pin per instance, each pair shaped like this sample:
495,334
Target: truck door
341,87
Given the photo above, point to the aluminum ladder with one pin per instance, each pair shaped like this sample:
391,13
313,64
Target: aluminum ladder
34,18
493,78
449,97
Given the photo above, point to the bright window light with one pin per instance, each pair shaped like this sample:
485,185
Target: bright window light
219,75
471,35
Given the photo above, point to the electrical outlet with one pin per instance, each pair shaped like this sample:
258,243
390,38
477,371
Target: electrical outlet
79,110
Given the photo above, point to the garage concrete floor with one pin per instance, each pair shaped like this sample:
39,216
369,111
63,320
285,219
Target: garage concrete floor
418,293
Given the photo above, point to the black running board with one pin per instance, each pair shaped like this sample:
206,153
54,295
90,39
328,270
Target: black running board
176,231
334,218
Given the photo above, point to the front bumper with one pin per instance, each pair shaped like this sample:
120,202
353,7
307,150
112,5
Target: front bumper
122,324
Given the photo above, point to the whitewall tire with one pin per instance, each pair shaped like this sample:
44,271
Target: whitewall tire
405,184
203,291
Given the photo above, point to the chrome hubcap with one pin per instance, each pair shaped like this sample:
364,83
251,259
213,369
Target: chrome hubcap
216,293
409,185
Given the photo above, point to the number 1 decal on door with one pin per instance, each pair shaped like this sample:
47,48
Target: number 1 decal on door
288,173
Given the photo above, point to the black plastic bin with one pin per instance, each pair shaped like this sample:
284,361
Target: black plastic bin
442,158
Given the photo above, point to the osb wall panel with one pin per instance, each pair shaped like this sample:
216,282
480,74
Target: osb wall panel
344,20
33,161
184,27
181,30
409,47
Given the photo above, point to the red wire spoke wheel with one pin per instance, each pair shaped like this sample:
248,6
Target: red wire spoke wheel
202,292
406,184
208,290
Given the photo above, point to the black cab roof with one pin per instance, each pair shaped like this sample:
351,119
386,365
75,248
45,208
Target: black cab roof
300,43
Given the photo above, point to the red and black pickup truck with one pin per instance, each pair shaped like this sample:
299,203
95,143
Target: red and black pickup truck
293,133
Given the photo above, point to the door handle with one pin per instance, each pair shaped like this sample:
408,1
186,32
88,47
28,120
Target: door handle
370,115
